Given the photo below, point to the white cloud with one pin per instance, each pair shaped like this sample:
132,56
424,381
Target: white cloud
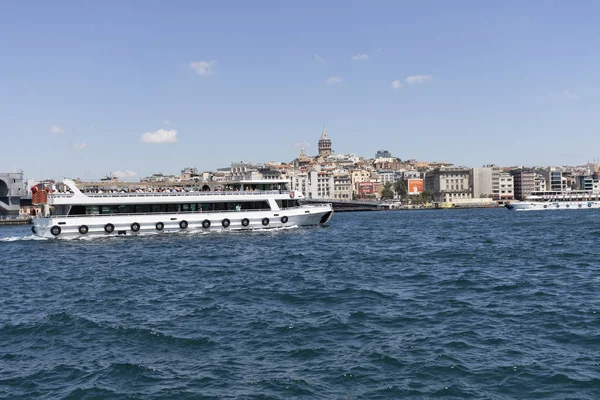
159,136
203,68
570,95
414,79
396,84
301,145
361,57
124,174
334,80
56,129
79,145
319,58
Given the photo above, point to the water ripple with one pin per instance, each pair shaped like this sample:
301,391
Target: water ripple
481,304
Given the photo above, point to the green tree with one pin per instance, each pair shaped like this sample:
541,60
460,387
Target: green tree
427,196
387,192
401,189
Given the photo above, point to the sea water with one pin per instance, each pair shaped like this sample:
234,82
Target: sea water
480,304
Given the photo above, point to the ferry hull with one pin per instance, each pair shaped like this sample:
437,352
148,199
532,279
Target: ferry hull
96,225
547,206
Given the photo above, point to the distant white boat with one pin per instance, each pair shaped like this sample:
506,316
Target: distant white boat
552,200
254,205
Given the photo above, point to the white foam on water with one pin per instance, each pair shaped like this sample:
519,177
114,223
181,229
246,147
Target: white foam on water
92,237
21,238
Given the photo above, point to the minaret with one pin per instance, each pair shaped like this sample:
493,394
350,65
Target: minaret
324,144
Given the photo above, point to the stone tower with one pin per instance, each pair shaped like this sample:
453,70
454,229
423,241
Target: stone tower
324,144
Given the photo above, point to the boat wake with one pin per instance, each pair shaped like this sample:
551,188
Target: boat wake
21,238
91,237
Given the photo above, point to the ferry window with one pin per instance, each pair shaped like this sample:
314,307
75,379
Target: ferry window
77,210
287,203
205,206
107,209
157,208
220,206
92,210
188,207
254,205
123,209
142,208
172,207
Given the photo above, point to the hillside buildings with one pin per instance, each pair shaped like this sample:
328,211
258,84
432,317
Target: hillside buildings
339,177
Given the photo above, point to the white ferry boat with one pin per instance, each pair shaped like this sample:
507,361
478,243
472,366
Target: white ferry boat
574,199
254,205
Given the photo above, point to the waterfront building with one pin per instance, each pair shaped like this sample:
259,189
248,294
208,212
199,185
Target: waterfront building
525,183
300,182
448,184
313,184
539,183
324,145
554,179
485,182
342,186
325,184
12,188
481,182
506,187
584,182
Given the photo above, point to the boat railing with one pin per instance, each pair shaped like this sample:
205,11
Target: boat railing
172,194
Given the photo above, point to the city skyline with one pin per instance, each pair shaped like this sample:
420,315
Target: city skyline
99,88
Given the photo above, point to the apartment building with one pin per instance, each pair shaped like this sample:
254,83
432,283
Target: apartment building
448,184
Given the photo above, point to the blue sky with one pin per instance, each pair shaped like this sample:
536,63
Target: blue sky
470,82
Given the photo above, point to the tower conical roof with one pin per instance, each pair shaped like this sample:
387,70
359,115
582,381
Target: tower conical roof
324,134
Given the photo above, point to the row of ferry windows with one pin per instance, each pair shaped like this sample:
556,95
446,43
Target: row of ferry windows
187,207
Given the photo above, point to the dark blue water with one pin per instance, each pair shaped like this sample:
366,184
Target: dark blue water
481,304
